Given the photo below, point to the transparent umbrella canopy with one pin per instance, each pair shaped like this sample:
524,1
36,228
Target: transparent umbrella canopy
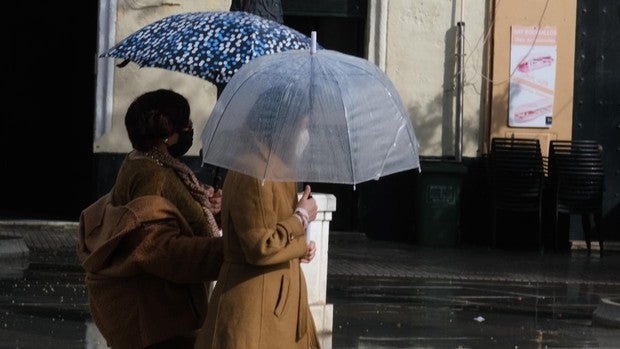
310,116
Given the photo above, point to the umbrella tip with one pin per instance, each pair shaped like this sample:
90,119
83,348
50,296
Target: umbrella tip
313,42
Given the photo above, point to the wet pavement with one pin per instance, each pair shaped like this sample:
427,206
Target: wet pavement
384,294
466,314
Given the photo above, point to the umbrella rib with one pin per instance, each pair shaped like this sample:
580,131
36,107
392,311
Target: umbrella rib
273,140
225,108
346,117
400,129
395,105
280,126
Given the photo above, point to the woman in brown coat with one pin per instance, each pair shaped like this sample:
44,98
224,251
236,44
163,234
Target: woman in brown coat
260,300
149,246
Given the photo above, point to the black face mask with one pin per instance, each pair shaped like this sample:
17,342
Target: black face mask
186,138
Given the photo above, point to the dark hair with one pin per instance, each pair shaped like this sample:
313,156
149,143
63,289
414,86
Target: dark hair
155,115
278,100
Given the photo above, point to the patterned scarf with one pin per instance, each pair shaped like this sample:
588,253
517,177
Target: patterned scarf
187,176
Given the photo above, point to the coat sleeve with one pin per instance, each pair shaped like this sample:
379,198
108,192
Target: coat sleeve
165,252
265,239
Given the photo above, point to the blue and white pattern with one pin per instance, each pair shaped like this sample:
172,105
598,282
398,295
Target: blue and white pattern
210,45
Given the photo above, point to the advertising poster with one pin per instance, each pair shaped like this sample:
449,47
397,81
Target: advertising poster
533,53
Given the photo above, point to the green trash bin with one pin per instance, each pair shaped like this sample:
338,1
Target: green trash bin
438,202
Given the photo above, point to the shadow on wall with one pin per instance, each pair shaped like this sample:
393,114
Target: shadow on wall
499,117
427,122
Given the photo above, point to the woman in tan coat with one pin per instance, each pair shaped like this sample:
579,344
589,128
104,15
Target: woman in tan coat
260,300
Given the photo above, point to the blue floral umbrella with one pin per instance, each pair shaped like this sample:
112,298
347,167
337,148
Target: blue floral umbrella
209,45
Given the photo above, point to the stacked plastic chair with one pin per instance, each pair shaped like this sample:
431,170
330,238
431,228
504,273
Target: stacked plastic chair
576,179
517,180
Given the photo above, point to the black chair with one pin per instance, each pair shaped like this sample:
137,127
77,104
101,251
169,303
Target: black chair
576,179
517,180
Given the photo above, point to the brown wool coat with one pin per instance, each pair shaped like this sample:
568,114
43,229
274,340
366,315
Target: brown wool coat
260,300
139,176
144,270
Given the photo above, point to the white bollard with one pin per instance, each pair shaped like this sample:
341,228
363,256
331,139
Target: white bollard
316,271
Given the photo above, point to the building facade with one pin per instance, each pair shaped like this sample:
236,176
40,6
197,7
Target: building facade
453,63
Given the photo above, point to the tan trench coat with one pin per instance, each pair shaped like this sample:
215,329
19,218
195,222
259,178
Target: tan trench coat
260,300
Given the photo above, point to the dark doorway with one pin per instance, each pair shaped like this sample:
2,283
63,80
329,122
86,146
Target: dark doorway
340,26
47,124
596,112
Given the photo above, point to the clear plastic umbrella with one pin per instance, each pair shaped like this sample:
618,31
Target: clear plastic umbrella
310,116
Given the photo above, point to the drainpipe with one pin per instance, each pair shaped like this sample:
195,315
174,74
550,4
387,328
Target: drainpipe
458,138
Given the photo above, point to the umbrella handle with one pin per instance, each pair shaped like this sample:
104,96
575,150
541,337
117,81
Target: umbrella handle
216,177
